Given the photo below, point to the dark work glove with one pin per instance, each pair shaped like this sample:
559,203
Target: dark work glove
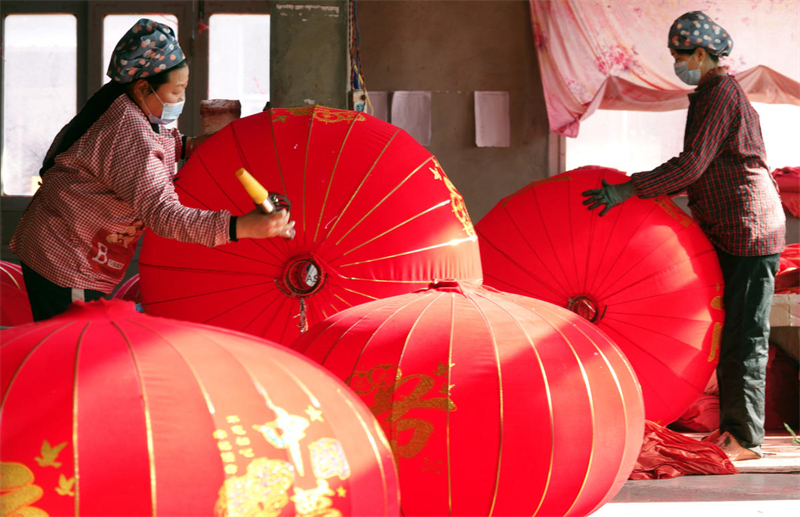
609,195
280,202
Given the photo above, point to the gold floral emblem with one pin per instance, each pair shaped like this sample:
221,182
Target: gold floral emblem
321,114
456,199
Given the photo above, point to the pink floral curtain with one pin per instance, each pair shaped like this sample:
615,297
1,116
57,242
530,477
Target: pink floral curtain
612,54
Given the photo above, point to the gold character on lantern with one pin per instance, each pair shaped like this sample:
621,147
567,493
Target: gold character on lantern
285,432
328,459
392,403
316,502
17,491
262,491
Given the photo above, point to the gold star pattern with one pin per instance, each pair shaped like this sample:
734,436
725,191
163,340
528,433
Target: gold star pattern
314,414
341,492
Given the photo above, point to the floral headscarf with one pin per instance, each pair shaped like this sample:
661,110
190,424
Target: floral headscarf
148,48
696,29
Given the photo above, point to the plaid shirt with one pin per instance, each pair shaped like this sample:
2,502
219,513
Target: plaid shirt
82,225
723,168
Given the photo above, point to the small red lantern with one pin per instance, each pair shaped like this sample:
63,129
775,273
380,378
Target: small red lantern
15,308
107,411
494,403
645,273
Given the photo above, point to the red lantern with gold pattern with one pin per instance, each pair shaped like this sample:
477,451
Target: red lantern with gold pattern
15,308
107,411
375,215
494,403
645,273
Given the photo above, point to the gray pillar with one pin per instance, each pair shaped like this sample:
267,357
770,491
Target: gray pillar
309,53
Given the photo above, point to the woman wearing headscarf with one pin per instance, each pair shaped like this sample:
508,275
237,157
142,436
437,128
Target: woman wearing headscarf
109,173
723,170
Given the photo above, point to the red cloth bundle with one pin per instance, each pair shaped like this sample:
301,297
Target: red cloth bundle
667,454
788,179
788,278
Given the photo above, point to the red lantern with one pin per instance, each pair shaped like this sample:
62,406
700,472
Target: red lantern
15,308
376,216
129,290
645,273
106,411
494,403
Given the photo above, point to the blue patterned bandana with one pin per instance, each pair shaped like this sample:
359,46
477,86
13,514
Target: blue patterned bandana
147,49
696,29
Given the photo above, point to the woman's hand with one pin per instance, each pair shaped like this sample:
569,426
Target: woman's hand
258,225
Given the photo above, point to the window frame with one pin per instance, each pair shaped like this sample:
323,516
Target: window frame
77,9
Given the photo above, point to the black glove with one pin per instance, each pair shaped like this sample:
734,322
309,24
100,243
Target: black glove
609,195
280,202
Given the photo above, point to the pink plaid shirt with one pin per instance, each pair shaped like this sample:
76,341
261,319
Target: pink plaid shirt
82,225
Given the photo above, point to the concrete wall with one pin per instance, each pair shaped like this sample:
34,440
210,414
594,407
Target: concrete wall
309,53
454,48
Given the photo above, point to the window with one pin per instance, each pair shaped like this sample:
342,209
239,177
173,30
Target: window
234,41
39,93
634,141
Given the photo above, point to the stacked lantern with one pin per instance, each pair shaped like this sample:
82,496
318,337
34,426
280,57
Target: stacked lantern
15,309
106,411
494,404
375,215
645,273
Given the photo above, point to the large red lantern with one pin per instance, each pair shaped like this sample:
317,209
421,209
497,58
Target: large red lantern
494,403
106,411
15,308
376,216
645,273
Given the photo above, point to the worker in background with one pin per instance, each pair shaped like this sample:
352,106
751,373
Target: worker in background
109,174
723,169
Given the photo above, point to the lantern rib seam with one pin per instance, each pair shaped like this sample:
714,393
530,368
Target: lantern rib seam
25,360
600,286
387,196
147,418
333,173
500,394
363,180
238,145
75,420
547,391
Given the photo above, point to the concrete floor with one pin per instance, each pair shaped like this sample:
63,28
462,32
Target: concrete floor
768,487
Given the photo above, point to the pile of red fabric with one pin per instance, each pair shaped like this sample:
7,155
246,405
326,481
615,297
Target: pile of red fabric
667,454
788,179
788,278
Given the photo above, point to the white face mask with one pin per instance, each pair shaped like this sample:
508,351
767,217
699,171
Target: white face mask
169,113
691,77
